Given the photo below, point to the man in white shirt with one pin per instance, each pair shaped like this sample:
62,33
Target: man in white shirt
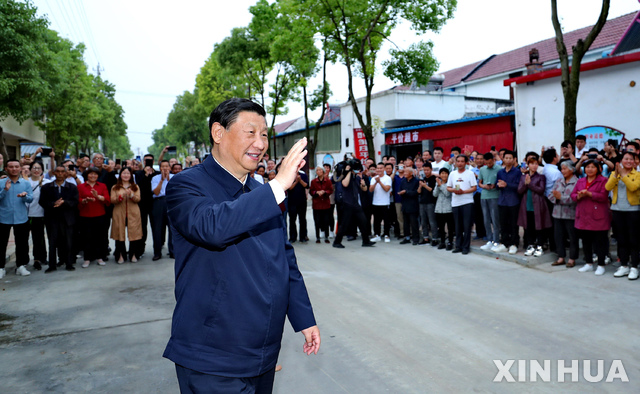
381,188
160,220
581,145
438,163
462,183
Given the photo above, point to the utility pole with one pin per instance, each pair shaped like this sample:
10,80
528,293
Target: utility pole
98,70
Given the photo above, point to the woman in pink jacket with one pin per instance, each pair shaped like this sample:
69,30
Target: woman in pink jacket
593,216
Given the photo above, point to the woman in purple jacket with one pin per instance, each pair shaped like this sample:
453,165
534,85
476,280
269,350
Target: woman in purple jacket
593,216
534,212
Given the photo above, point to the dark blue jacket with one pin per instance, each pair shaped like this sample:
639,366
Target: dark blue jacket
236,274
509,196
410,202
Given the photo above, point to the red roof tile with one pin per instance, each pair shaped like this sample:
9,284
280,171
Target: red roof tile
516,59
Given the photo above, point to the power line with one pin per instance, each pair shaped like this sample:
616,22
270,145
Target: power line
147,93
79,7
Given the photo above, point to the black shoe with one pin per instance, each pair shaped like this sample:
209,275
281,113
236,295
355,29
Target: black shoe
423,242
405,241
172,256
50,269
435,242
415,243
350,238
292,241
70,268
449,246
37,266
465,252
441,245
456,250
339,246
58,265
327,241
369,244
105,258
156,258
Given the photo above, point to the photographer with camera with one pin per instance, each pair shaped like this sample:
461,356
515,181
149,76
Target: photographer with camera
349,183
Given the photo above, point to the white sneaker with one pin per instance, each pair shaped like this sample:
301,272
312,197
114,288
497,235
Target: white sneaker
2,272
487,246
100,262
331,235
22,271
539,252
375,239
600,270
586,268
499,248
530,250
513,249
387,239
607,260
633,274
622,271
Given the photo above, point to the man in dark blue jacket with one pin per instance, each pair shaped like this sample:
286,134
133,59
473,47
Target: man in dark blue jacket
236,273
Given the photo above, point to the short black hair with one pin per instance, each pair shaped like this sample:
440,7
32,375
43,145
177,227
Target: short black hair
488,156
532,153
503,150
82,155
226,113
457,149
444,169
465,157
427,164
549,155
373,165
388,164
174,164
565,144
148,155
581,137
438,148
634,144
10,160
509,152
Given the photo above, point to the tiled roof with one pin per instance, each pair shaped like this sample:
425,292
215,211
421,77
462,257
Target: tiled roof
280,127
454,77
516,59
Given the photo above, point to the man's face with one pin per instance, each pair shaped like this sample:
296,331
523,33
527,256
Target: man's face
437,155
631,148
380,170
98,160
388,169
408,162
165,168
173,161
26,171
580,144
327,169
460,163
426,156
13,169
176,169
243,144
408,172
508,160
271,165
607,147
392,160
427,172
260,171
489,163
1,160
61,174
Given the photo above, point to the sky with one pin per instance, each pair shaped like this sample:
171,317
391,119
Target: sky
152,51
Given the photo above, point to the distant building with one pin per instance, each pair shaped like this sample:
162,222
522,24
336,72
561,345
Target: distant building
16,134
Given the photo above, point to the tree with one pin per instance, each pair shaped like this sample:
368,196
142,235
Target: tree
188,121
216,84
570,79
356,30
22,57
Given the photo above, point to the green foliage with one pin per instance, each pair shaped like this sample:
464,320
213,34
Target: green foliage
414,64
188,122
22,59
216,84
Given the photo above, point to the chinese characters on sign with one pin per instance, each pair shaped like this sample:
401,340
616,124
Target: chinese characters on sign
404,138
360,144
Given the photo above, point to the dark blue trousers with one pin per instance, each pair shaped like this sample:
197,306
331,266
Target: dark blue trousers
191,381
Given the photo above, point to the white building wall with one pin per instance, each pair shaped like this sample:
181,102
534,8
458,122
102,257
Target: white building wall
605,98
491,87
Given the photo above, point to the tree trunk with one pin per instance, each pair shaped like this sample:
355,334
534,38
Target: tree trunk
3,146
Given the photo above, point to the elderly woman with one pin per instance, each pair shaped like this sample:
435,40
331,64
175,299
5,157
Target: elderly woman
93,198
593,217
320,190
534,212
36,216
564,214
125,196
624,181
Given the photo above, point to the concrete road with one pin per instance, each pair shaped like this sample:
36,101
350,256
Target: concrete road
393,318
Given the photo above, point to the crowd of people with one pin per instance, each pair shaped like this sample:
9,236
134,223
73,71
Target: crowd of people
558,198
73,209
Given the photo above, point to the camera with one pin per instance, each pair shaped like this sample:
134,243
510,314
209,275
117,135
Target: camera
592,156
46,151
355,165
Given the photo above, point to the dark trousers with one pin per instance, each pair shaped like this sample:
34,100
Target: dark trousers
411,226
332,222
445,219
509,225
548,234
36,227
594,240
60,237
393,220
478,216
380,214
322,220
159,225
625,224
94,237
145,210
463,218
531,235
352,214
21,237
564,228
191,381
297,212
428,220
135,249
